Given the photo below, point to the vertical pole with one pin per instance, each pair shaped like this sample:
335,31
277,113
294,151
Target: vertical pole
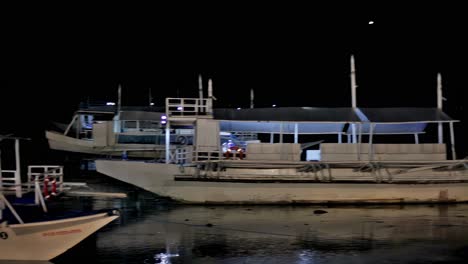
119,100
251,98
296,133
209,103
353,83
439,106
353,94
17,169
416,138
452,141
200,87
117,124
272,137
371,147
168,142
340,139
150,97
359,143
281,133
200,94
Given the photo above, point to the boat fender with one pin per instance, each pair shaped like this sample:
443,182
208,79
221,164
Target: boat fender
45,191
54,187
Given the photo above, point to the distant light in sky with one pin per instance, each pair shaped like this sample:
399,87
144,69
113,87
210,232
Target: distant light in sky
151,104
110,103
274,105
238,108
371,22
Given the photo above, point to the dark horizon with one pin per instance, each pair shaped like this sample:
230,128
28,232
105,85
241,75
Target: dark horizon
302,60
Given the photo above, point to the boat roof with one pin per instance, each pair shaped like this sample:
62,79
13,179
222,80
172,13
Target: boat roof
289,114
112,109
403,115
315,120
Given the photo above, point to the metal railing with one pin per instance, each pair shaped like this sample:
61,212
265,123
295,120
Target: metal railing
47,181
188,107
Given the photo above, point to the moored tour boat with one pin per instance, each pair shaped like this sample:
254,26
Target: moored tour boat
276,173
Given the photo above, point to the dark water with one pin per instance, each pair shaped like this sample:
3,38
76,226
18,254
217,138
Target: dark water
154,230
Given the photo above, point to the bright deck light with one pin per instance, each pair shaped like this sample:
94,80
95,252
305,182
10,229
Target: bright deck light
110,103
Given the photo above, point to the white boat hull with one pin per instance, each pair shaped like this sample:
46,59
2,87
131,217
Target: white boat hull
47,240
159,178
65,143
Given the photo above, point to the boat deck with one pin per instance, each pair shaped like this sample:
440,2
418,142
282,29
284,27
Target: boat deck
393,172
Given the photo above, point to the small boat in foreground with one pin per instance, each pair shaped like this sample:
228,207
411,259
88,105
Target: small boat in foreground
43,238
47,240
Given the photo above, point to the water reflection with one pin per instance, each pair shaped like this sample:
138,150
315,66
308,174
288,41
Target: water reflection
152,230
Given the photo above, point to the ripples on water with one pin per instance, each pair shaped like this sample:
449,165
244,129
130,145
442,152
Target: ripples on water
154,230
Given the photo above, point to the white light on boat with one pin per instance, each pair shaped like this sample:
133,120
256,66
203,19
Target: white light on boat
151,104
274,105
163,122
179,108
110,103
163,117
371,22
238,108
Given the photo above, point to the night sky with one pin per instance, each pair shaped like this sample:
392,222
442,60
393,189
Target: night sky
291,56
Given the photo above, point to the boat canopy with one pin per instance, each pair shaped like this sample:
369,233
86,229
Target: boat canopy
307,120
315,120
399,120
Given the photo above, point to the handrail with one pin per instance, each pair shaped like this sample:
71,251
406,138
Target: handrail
188,107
